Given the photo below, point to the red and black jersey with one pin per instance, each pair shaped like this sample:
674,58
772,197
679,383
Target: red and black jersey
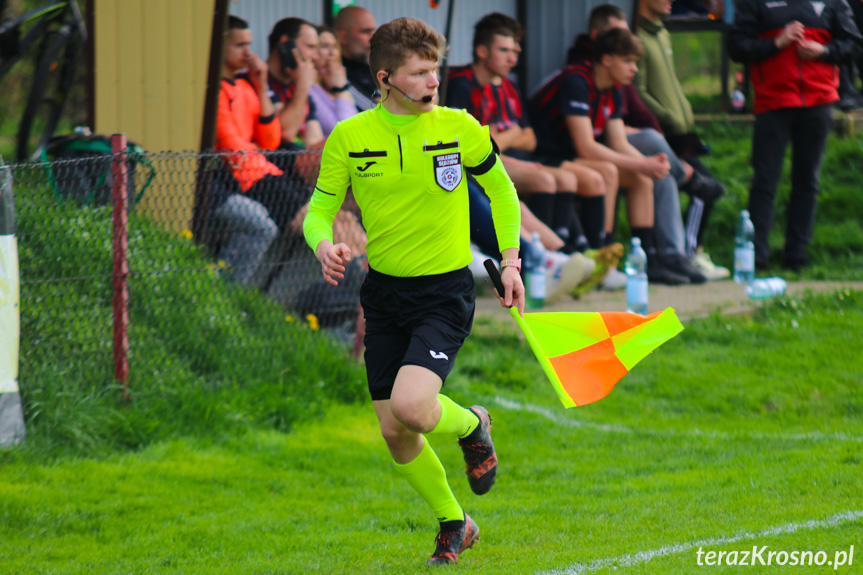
779,77
571,92
498,106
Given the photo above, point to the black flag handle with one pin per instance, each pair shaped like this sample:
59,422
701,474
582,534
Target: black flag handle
494,275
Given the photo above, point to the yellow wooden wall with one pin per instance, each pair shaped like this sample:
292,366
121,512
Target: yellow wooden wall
151,59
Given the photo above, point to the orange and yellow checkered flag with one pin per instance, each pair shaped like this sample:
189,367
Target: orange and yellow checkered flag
585,354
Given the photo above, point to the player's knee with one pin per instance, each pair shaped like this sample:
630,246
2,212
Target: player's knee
597,184
566,181
609,172
395,434
542,182
412,414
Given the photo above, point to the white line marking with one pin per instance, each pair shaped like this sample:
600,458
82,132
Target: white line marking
645,556
616,428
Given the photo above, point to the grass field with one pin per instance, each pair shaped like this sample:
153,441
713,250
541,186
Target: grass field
740,432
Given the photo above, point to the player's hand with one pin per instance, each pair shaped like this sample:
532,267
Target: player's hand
513,289
793,32
257,70
656,167
809,49
333,259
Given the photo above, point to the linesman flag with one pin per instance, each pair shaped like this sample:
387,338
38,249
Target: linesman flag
584,354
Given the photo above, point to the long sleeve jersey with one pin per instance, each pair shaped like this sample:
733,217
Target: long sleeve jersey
407,175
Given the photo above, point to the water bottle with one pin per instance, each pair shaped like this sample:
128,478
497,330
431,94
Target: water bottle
636,279
766,288
534,273
744,250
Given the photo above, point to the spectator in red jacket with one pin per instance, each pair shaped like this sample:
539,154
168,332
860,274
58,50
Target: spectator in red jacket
793,48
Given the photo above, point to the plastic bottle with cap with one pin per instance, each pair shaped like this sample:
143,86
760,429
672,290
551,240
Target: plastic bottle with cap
744,250
534,273
636,278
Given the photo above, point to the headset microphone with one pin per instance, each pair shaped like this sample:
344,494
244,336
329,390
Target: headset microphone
424,99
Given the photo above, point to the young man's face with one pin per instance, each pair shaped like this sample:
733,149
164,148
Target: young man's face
501,56
307,43
417,78
656,9
622,69
356,38
238,49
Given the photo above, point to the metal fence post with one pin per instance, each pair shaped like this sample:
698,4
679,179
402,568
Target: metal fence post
11,415
121,264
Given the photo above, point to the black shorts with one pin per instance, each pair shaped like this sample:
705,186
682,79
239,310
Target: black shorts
414,321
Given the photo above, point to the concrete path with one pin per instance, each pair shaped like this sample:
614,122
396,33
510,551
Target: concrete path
687,301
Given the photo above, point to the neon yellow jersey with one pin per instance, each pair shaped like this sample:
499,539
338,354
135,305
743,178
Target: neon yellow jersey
407,175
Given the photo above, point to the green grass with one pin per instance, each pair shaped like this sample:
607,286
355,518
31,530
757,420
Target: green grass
737,426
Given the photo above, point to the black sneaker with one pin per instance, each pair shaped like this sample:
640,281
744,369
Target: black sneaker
453,538
703,187
659,274
479,456
681,265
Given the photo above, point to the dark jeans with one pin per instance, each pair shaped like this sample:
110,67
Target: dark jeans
807,130
482,232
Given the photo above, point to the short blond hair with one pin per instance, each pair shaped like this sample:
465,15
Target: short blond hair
394,42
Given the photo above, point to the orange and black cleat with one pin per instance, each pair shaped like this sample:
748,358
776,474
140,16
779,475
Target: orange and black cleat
453,538
479,455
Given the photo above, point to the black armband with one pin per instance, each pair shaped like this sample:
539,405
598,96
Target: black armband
266,119
484,167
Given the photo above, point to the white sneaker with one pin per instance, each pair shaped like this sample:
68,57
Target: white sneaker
476,266
614,280
710,270
565,273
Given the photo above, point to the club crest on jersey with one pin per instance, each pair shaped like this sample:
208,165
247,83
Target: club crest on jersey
447,170
818,7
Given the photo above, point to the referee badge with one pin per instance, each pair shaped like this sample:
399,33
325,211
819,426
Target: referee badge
447,170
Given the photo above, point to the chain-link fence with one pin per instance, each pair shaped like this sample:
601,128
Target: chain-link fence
181,273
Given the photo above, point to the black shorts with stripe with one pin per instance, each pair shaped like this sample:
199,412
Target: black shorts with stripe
414,321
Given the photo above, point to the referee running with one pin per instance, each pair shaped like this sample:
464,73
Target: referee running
405,160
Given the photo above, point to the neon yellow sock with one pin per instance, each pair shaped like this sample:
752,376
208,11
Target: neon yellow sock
454,418
428,478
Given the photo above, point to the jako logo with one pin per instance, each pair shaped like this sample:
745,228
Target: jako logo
438,354
366,167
